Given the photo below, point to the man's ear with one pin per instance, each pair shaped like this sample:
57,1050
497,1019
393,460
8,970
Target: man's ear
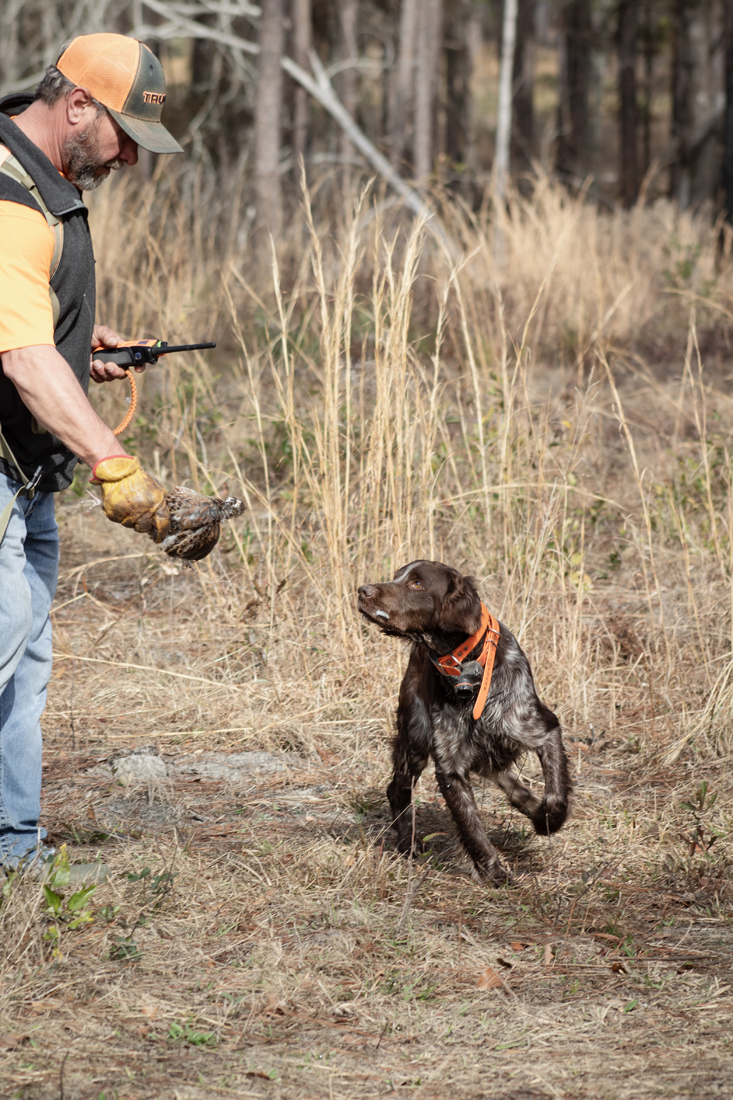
76,104
460,611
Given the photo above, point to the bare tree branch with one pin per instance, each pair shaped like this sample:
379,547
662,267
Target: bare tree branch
322,90
319,88
180,26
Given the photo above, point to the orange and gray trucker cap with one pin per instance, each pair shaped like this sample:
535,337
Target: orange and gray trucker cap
126,77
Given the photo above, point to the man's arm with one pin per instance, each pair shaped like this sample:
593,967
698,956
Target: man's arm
48,388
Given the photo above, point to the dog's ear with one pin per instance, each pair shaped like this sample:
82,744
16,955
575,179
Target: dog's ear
461,608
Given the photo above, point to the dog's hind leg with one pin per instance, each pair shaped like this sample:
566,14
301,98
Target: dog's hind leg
554,806
547,814
519,796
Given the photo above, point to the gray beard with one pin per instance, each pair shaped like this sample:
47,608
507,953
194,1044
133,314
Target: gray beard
81,160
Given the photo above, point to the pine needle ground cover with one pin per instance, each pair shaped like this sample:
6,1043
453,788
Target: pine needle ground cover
557,424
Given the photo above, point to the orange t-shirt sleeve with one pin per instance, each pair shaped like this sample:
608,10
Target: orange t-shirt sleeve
26,251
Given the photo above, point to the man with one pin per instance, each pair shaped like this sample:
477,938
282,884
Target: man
92,109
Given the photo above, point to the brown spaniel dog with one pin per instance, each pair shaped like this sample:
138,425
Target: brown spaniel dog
439,610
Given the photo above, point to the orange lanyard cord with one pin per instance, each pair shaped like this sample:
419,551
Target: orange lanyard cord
133,404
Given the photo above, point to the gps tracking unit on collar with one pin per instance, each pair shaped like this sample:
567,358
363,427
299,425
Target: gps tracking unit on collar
469,674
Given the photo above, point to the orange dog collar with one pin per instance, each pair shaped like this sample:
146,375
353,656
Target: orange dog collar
451,664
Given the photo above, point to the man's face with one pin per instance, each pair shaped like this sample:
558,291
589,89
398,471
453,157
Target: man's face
94,149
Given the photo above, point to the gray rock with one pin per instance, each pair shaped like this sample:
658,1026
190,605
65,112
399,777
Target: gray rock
146,765
138,768
235,767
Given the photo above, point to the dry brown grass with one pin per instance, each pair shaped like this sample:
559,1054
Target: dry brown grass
560,427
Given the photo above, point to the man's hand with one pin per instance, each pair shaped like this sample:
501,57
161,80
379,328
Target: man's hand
132,497
104,337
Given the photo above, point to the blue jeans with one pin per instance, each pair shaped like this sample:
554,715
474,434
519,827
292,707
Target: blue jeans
29,560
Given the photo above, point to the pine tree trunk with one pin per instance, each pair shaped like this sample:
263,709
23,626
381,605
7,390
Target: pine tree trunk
474,43
681,106
349,51
728,132
523,106
429,34
301,16
650,41
572,149
402,89
457,81
628,27
697,120
268,110
504,111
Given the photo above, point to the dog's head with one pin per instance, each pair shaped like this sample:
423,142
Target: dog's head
425,599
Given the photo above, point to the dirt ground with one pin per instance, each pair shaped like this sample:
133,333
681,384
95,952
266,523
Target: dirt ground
221,749
259,937
280,959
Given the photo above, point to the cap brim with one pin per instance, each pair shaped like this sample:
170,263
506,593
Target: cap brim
150,135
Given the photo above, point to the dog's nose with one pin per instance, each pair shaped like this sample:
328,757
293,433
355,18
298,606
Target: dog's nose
367,591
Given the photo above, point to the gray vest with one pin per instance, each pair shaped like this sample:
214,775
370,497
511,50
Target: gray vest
72,286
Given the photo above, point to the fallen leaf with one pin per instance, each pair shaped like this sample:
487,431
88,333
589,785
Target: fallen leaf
516,946
9,1042
273,1007
90,813
328,757
264,897
606,936
548,958
489,979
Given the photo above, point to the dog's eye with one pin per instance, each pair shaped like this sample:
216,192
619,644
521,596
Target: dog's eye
416,584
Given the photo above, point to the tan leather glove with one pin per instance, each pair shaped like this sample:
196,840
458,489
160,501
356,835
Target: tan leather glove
132,497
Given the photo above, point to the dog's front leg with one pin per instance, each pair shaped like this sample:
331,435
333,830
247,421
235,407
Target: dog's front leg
409,756
458,794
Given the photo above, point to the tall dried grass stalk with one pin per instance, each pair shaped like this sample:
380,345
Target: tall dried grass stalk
377,400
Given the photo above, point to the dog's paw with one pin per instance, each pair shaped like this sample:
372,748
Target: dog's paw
550,817
493,875
407,847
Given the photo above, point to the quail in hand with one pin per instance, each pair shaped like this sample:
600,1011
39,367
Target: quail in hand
195,522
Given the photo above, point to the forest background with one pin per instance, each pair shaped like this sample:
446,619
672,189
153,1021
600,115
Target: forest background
468,268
